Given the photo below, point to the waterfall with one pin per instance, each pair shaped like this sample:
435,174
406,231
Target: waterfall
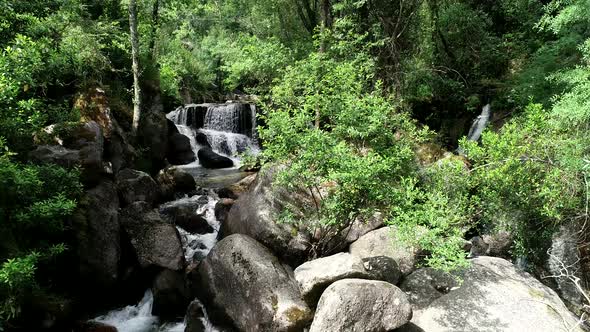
480,123
197,246
230,129
139,318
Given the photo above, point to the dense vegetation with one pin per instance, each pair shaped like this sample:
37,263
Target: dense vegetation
357,96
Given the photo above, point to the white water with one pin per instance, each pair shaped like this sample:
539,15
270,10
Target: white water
222,125
139,318
480,123
199,244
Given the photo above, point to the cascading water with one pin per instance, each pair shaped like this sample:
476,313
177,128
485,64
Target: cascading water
229,128
139,318
480,123
478,126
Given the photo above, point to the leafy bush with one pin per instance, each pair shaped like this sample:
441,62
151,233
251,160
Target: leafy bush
35,202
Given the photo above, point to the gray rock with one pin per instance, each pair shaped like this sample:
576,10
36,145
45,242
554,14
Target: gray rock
316,275
564,254
256,212
183,213
136,186
497,244
384,242
248,285
361,305
194,317
495,296
156,243
382,268
222,208
97,231
180,151
426,285
153,134
363,226
173,180
170,294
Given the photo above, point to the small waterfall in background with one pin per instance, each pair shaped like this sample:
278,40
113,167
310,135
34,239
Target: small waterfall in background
480,123
230,129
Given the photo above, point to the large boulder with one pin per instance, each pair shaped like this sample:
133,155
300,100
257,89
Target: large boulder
496,244
194,317
155,242
180,151
382,268
247,284
209,159
135,186
170,295
183,213
256,212
222,208
97,231
426,285
153,134
385,242
75,144
565,263
175,181
316,275
94,105
495,296
361,305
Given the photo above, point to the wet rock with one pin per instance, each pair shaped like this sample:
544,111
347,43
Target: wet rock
209,159
183,213
202,139
382,268
170,295
97,232
226,193
92,326
496,296
136,186
361,305
155,242
256,212
316,275
194,317
384,242
248,285
180,151
173,180
222,208
426,285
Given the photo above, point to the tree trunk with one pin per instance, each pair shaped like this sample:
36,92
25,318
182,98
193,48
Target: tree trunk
324,24
155,23
135,66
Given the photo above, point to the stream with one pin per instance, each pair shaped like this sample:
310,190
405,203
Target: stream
229,130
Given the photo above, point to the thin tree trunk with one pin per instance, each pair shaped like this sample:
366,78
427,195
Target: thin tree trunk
324,24
155,23
135,66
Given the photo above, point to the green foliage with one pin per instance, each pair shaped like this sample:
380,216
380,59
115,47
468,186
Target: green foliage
35,202
531,172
